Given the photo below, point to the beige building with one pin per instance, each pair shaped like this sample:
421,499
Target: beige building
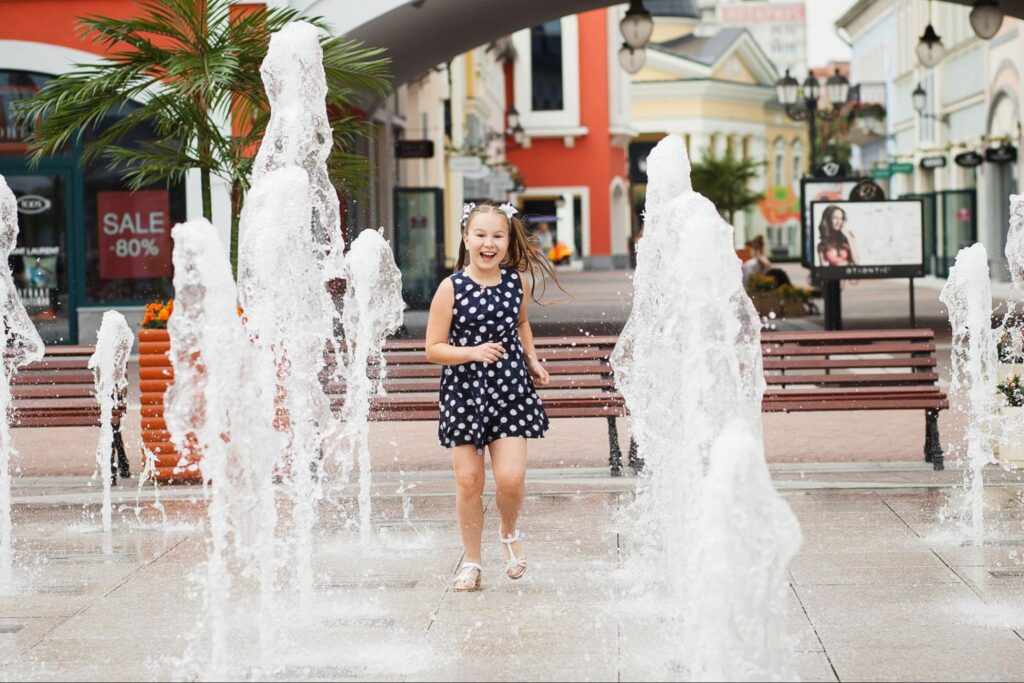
715,87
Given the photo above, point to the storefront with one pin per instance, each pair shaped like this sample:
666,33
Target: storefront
86,242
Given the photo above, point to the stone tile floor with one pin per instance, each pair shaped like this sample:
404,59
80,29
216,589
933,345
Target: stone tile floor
882,589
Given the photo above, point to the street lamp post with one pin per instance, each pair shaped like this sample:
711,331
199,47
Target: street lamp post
788,92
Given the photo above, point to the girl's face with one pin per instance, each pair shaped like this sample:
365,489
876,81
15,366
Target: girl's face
486,239
838,218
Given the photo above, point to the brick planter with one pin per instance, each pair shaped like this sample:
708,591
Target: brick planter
155,375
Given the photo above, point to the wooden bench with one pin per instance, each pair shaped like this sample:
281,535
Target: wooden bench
581,386
804,371
856,370
58,391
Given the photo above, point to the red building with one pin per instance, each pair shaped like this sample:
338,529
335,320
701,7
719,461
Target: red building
573,103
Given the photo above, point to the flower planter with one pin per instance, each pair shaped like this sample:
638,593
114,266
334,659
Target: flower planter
793,308
1007,370
766,303
1011,455
155,375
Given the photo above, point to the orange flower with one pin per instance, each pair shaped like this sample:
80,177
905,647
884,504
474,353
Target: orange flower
164,315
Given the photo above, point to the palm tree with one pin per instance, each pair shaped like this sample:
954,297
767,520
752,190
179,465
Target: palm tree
192,67
726,182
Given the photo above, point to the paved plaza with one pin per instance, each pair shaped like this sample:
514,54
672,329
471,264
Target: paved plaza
882,588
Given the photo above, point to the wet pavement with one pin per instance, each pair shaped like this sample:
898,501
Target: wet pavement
882,589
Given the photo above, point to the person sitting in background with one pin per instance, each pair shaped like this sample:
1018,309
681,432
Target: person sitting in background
758,263
545,239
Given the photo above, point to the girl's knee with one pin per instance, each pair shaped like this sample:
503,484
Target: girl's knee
470,484
510,483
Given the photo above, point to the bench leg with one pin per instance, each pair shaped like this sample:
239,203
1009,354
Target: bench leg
118,458
932,447
635,461
614,452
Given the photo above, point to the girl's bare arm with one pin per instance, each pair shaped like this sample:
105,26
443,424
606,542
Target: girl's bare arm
439,323
533,364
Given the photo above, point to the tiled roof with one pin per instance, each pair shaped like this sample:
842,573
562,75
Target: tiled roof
703,49
673,8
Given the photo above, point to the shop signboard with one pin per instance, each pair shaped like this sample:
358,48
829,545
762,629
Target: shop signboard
820,189
968,159
901,167
937,161
1002,154
134,231
414,149
859,240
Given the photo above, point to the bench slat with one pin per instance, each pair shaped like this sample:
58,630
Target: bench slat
782,350
843,363
924,378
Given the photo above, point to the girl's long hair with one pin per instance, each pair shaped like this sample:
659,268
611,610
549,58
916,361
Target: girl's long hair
522,255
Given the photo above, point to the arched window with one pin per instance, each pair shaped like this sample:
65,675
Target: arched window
798,160
780,161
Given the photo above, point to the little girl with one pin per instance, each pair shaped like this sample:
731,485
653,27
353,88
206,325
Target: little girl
479,331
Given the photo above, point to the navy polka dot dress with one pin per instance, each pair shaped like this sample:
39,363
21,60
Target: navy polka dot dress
482,403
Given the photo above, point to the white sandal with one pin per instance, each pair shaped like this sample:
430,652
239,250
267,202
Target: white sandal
464,581
516,565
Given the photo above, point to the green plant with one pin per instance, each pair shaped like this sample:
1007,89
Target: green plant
1012,390
726,181
794,292
761,283
191,66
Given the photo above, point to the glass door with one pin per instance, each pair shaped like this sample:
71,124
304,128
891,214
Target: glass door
419,242
39,262
959,221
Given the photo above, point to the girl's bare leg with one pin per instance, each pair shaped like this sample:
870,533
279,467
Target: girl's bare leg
508,465
469,502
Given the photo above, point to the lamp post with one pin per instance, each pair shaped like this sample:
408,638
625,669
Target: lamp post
837,87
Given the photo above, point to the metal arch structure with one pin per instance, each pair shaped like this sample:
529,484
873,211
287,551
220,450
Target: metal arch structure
420,34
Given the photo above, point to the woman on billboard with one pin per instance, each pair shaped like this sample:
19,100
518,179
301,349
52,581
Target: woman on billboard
836,244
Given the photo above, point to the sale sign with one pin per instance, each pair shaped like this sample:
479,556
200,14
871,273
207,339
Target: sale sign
134,234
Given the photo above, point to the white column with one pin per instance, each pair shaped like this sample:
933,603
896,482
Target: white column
756,147
565,229
700,144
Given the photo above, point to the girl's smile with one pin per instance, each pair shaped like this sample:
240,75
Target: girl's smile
487,240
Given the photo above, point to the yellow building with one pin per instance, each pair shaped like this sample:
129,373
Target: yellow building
715,87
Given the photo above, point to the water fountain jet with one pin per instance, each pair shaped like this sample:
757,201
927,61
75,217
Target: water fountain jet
689,367
967,295
22,345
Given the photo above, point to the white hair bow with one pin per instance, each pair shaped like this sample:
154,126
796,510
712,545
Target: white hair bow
466,210
508,210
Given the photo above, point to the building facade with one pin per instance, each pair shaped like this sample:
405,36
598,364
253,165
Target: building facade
971,104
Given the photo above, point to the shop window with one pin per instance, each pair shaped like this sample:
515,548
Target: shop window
16,85
798,160
127,234
546,66
780,161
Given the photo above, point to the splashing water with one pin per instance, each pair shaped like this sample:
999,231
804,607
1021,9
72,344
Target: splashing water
218,407
373,310
299,133
289,319
967,295
22,345
291,219
1015,242
113,344
691,373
